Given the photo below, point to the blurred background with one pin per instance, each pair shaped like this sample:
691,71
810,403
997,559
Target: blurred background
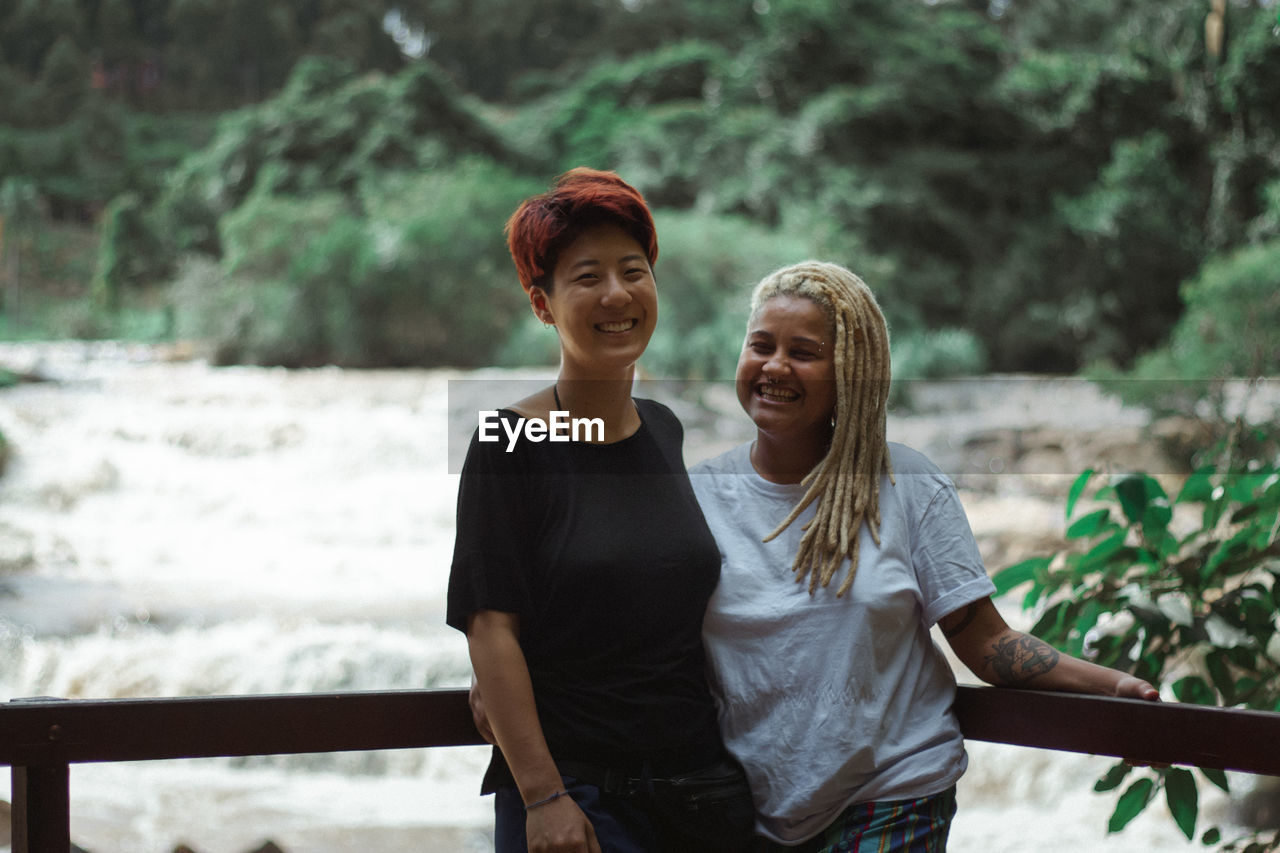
1044,187
252,276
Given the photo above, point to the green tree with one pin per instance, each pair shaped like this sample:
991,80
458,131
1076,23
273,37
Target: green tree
485,44
131,256
328,130
28,32
63,81
1227,331
599,119
705,271
19,210
414,274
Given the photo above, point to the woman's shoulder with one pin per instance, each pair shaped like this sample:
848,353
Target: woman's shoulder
646,407
917,480
658,417
729,462
536,405
911,468
908,460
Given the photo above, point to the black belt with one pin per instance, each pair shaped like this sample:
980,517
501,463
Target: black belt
610,780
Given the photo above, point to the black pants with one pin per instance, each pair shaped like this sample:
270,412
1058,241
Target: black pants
645,821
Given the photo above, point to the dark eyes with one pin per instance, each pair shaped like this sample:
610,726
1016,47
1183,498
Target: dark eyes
631,274
764,348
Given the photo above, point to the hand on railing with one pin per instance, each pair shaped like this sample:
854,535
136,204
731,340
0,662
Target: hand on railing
1132,687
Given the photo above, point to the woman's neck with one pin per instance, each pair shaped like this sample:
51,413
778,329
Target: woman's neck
788,459
605,397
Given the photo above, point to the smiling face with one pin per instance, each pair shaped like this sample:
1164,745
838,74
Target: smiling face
603,302
786,373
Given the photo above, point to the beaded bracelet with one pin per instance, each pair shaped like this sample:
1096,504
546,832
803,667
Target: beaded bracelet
543,802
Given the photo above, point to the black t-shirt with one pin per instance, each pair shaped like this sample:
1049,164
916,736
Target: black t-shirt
603,552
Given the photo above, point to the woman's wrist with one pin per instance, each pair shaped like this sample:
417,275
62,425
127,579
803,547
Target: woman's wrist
540,784
547,799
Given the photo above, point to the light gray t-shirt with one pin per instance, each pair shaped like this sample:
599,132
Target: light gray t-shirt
832,701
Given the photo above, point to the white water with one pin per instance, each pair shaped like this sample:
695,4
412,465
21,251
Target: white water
173,529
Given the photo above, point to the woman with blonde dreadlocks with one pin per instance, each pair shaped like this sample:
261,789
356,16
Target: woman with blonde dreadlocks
839,551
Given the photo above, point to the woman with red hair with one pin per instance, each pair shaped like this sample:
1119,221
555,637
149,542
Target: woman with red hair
582,568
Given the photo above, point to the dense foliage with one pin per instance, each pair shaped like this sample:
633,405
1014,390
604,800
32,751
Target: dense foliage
1182,592
1027,186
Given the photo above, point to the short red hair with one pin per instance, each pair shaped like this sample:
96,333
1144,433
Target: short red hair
543,225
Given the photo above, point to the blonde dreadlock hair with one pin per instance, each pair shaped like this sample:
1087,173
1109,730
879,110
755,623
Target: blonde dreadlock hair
846,483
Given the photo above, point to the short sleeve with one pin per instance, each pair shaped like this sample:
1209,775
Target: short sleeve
492,546
948,564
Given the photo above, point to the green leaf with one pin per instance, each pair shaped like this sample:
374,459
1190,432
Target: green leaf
1102,553
1077,489
1130,804
1198,488
1213,511
1181,794
1256,611
1155,491
1195,690
1165,545
1221,676
1156,518
1019,573
1217,777
1236,545
1266,531
1113,777
1271,487
1132,491
1262,529
1245,688
1052,623
1090,525
1242,487
1087,618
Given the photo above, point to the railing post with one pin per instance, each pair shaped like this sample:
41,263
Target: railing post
41,808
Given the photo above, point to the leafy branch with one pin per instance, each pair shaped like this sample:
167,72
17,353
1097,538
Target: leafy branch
1182,592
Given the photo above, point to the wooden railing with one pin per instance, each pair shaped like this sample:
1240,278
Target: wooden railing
41,738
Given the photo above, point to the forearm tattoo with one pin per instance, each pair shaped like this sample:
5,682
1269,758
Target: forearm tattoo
1019,658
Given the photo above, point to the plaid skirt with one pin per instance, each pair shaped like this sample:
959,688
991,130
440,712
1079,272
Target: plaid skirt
897,826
